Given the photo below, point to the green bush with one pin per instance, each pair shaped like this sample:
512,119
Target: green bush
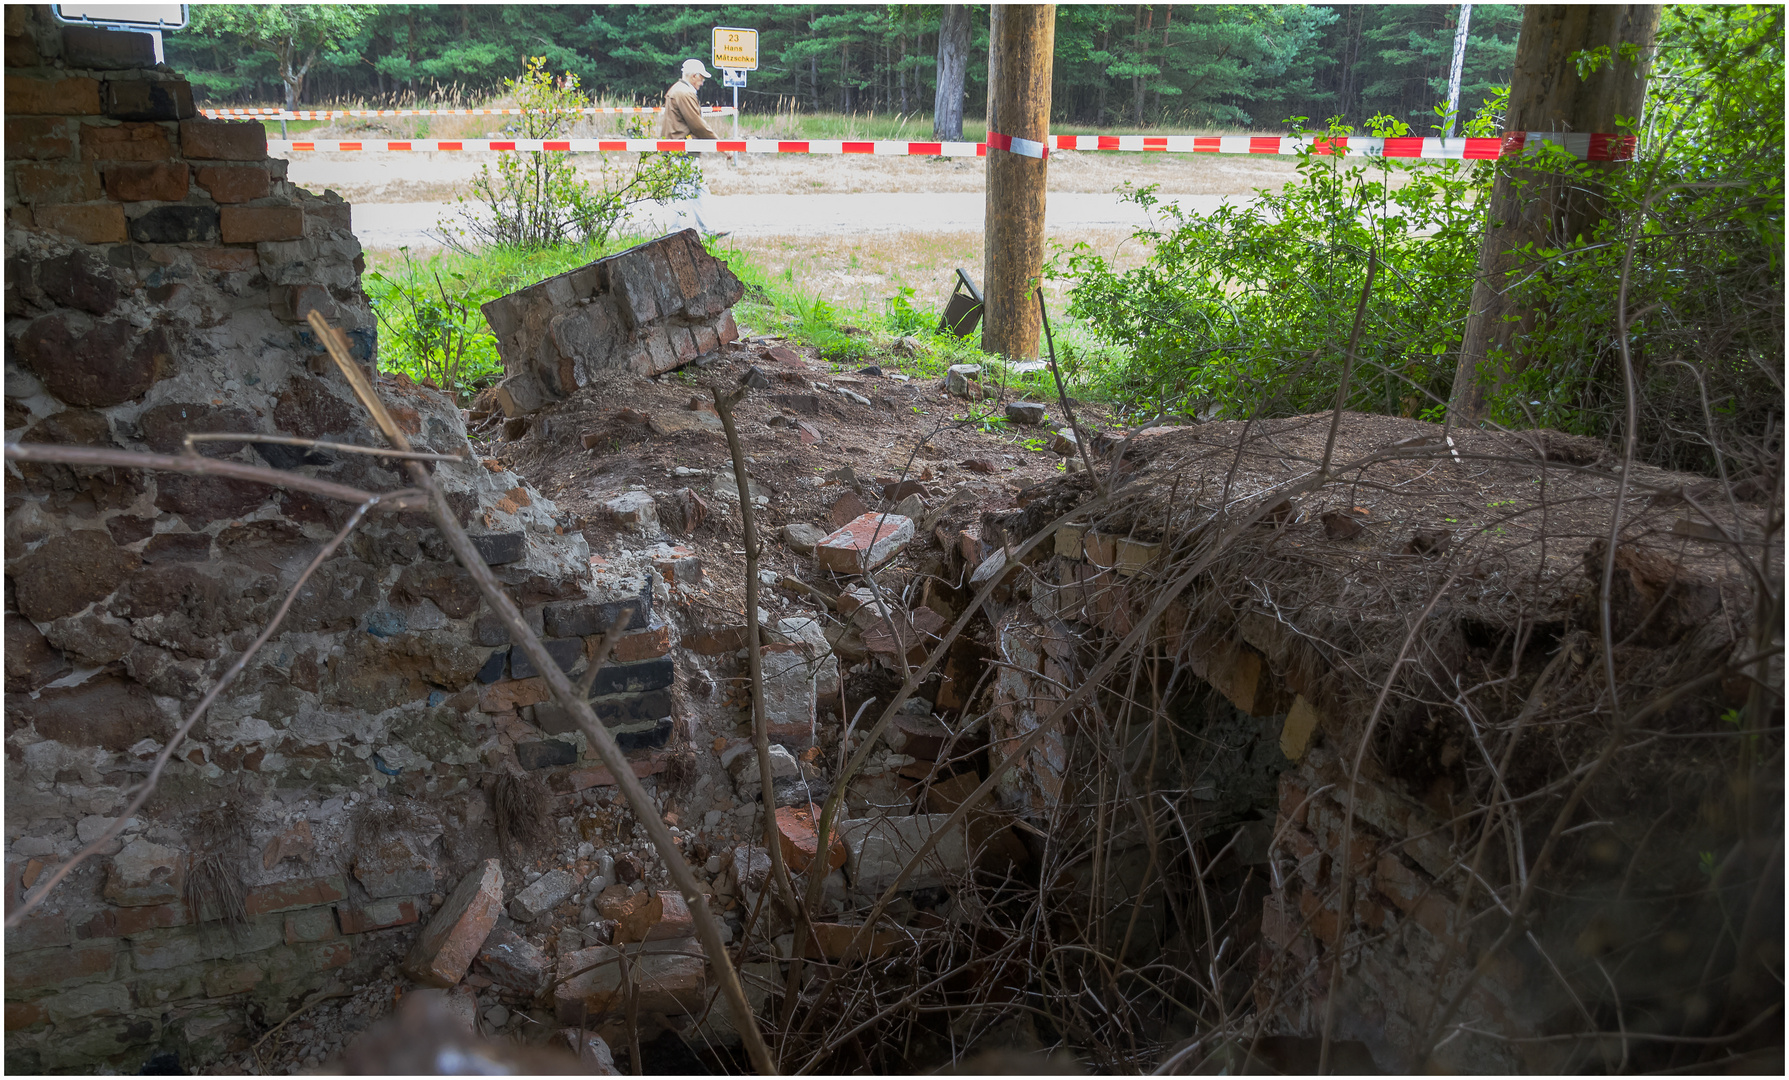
537,198
1255,302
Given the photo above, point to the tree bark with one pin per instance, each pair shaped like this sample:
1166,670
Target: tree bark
1532,206
953,64
1023,43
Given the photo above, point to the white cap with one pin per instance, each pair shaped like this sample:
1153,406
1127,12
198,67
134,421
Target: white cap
694,67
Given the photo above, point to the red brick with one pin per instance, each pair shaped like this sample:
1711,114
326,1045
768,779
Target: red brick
864,543
223,140
39,930
147,181
78,96
453,937
377,915
125,142
234,183
795,831
257,224
39,137
49,967
227,260
55,182
634,914
26,1015
508,694
648,644
675,920
294,894
129,921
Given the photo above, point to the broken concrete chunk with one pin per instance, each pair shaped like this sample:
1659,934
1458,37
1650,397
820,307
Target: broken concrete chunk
1065,443
390,867
446,948
879,847
865,543
1025,412
634,510
513,964
911,507
548,892
802,538
741,762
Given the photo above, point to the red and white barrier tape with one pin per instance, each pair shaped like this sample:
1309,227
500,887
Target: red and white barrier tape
331,114
1012,144
1584,147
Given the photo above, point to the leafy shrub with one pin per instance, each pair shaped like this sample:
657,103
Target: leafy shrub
1255,302
537,198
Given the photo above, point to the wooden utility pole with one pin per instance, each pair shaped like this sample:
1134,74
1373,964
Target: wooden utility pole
1531,206
1021,47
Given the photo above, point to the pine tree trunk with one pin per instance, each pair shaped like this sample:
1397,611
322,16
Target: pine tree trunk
1023,44
1532,207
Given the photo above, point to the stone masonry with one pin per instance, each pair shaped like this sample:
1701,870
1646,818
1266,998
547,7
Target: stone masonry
648,310
159,267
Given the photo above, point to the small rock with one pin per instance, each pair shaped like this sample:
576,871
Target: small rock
628,869
545,894
853,396
912,507
756,379
1339,525
634,510
872,370
513,964
1025,412
979,465
802,538
960,380
1065,444
496,1016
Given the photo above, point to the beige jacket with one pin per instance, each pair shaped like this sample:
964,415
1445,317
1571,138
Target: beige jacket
682,118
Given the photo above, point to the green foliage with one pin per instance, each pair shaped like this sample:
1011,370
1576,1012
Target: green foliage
1702,213
1254,302
537,198
1129,64
283,41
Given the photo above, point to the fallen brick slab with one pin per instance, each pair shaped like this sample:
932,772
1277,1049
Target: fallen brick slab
864,543
453,937
671,977
649,309
513,964
878,848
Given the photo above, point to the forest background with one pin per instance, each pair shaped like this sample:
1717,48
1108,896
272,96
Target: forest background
1141,65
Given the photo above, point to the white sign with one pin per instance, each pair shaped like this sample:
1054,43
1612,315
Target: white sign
732,77
144,16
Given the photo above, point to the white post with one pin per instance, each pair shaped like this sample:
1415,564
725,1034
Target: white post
1453,78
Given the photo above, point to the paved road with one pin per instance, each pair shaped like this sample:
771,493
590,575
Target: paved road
390,225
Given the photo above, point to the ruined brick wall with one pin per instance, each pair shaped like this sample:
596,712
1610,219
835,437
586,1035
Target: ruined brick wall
158,269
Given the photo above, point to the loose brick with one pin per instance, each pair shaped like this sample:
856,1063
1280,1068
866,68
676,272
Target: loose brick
223,140
52,967
125,142
39,137
633,914
77,96
795,830
90,223
55,182
377,915
513,964
864,543
509,694
260,224
145,181
454,936
675,920
234,183
286,895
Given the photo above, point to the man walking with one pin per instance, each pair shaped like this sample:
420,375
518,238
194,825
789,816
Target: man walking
682,119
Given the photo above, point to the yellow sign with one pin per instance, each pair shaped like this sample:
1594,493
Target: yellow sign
735,47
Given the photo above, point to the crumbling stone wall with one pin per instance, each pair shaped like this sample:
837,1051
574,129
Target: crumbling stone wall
158,269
